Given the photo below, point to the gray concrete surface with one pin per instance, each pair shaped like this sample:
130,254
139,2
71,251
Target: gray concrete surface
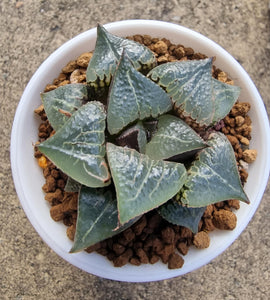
29,31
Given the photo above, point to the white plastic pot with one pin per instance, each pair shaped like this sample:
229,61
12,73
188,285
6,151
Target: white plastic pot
28,176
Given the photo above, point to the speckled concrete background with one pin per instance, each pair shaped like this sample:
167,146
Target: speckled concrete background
30,31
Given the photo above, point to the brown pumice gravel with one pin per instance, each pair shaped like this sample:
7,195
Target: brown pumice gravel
224,219
151,238
201,240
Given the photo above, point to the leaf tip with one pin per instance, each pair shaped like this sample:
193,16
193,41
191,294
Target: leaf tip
100,27
74,249
245,199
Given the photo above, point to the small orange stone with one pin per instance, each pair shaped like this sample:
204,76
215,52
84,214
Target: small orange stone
42,161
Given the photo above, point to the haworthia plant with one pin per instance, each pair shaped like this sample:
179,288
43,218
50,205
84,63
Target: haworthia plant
173,137
133,97
194,91
142,132
107,53
177,214
62,102
97,218
214,176
142,183
78,147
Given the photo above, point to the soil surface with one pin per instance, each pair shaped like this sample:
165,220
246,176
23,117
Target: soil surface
30,31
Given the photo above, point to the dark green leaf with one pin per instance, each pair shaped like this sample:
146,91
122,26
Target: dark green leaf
142,183
72,185
194,91
97,218
62,102
107,53
189,85
77,148
214,176
173,137
225,96
177,214
133,96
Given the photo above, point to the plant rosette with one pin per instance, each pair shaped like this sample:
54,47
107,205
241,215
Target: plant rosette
121,141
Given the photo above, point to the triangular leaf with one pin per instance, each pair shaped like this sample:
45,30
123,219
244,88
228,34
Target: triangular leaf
173,137
189,85
62,102
77,148
214,176
175,213
225,96
97,218
107,53
194,91
141,183
132,96
134,137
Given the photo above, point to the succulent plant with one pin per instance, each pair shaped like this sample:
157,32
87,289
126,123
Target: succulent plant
127,152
